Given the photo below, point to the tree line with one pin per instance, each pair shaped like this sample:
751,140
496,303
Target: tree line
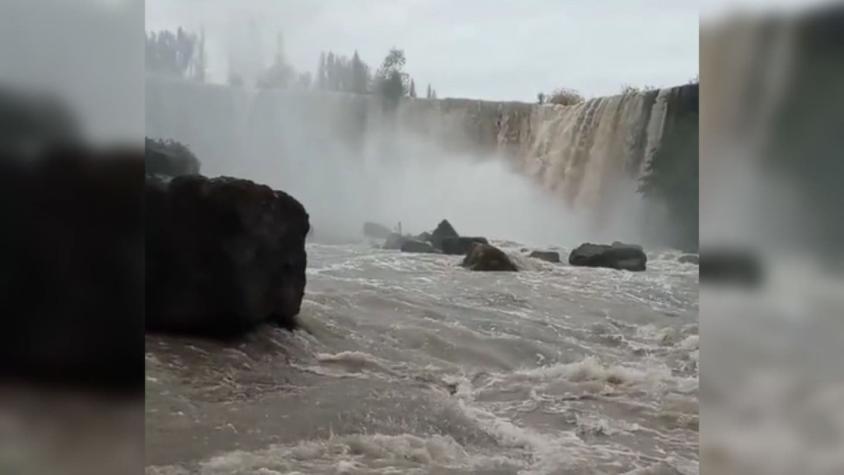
182,54
336,72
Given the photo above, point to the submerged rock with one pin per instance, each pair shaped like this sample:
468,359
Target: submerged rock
223,255
548,256
375,230
617,256
169,159
412,245
485,257
460,245
689,259
444,230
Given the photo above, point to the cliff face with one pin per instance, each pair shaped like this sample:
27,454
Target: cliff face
590,156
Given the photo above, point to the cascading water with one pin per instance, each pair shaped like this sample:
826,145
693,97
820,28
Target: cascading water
350,160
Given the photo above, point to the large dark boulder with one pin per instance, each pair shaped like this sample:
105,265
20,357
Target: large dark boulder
412,245
548,256
375,230
72,273
223,255
169,159
484,257
615,256
444,230
460,245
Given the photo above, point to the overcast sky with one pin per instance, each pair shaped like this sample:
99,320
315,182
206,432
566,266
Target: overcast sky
499,50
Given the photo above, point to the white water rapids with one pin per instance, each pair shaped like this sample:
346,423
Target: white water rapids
410,364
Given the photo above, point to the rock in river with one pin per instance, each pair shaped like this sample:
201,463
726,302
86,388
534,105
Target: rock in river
223,255
444,230
460,245
484,257
616,256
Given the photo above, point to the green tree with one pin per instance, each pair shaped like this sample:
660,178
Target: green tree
391,79
360,75
412,89
180,54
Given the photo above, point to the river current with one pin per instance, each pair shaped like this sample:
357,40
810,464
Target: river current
408,363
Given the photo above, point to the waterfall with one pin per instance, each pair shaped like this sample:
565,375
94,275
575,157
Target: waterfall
336,149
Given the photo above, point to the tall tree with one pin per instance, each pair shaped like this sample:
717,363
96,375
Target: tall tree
171,53
433,93
391,78
428,92
412,89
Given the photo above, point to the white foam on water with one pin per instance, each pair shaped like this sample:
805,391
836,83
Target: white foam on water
356,453
592,369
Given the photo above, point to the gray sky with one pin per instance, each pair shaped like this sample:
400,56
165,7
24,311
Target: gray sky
499,50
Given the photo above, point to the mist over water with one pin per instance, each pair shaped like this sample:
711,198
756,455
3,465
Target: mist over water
537,175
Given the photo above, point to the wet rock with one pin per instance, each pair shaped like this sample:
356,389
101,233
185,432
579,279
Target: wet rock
375,230
169,159
689,259
616,256
72,250
222,256
730,266
412,245
460,245
548,256
444,230
485,257
621,244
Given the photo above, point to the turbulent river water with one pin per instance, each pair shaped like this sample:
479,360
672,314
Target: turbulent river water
408,363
